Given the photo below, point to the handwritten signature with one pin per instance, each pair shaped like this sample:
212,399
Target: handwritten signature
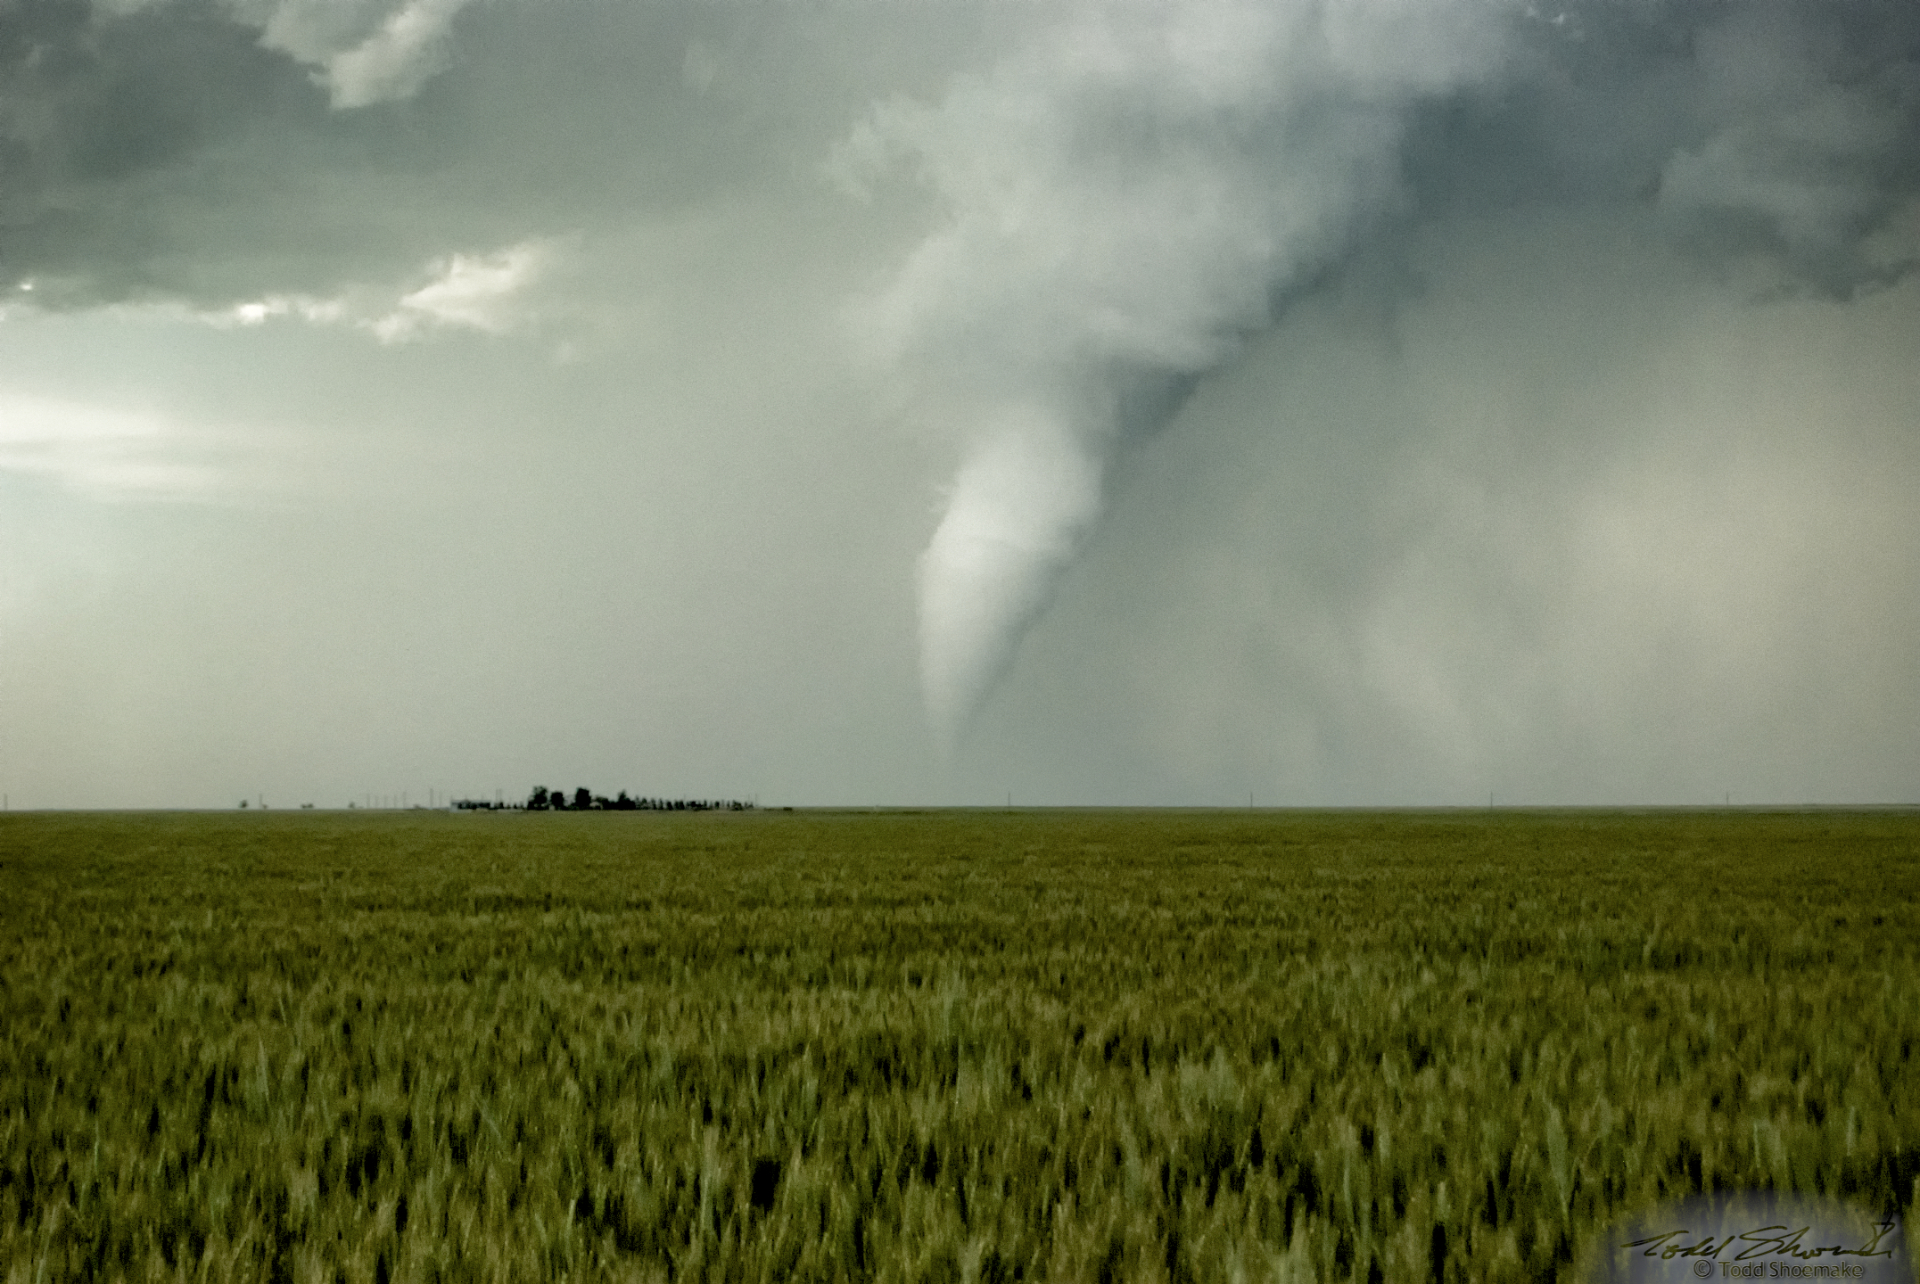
1762,1241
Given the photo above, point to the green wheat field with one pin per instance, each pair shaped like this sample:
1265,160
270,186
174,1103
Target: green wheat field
960,1046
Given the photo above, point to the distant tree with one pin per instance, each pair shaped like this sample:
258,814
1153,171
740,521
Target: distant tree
622,802
538,802
582,799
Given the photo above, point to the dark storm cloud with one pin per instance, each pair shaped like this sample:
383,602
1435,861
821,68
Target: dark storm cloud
1772,131
98,114
1810,141
172,152
208,150
212,149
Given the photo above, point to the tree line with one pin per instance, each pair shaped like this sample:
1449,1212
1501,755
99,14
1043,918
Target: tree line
584,799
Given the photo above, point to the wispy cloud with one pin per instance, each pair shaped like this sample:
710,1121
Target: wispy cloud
485,293
473,292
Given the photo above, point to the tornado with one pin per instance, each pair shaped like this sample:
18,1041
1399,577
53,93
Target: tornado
1139,188
1125,199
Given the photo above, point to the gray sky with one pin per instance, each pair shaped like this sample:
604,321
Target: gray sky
890,401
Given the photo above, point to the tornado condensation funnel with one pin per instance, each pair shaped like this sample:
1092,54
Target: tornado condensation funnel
1016,518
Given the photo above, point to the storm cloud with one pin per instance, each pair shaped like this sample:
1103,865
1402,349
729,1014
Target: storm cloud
1359,400
1142,189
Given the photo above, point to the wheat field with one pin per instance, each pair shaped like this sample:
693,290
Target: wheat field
955,1046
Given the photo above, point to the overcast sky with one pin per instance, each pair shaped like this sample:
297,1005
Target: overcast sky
926,401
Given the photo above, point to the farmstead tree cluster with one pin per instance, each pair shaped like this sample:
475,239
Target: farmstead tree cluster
944,1046
584,799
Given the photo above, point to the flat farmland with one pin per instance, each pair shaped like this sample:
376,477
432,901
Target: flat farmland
966,1046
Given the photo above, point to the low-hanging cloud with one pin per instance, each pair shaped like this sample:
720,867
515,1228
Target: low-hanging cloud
1136,192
